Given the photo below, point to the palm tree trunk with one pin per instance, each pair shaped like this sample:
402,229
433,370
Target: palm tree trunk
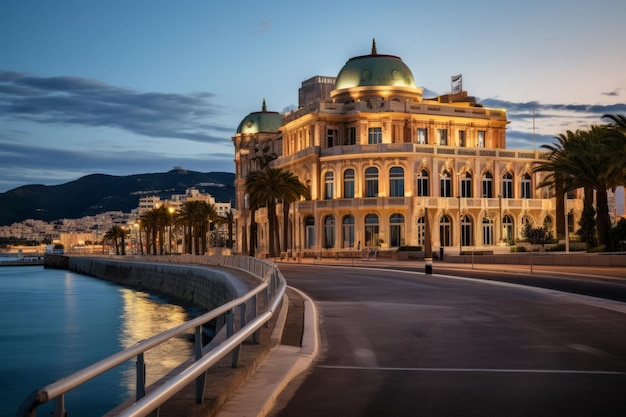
560,210
286,226
604,219
252,232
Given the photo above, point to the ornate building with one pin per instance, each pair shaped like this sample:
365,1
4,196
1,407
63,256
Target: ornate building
378,157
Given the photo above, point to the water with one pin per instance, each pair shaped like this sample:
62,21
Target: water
55,322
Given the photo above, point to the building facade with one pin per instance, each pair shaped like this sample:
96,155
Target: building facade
378,157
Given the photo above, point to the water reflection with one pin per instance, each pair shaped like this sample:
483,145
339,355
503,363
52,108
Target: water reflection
143,317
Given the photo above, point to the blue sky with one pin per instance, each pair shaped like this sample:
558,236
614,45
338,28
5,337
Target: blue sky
137,86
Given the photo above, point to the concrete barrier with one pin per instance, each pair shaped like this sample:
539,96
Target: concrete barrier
205,286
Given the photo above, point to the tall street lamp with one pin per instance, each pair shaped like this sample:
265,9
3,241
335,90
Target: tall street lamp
170,217
458,174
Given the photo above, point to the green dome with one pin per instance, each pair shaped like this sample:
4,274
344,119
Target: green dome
375,70
261,121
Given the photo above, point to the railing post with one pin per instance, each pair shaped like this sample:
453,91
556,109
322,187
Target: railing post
59,407
140,389
267,304
201,380
255,335
242,324
230,330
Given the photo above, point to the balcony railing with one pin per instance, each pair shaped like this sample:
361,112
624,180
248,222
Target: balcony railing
447,203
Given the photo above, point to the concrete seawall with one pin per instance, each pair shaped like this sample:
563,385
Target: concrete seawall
204,286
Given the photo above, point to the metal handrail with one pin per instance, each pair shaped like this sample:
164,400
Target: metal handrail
272,282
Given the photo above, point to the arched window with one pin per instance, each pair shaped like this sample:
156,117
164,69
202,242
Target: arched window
371,230
526,186
329,182
348,183
396,182
422,184
507,230
487,185
445,184
421,231
309,232
329,232
466,231
445,231
547,223
348,231
466,185
371,182
487,232
507,185
396,230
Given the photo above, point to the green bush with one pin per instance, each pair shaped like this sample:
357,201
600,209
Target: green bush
410,249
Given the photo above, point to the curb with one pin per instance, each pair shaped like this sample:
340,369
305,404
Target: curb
258,395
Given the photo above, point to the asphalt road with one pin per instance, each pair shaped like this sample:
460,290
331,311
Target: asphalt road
402,343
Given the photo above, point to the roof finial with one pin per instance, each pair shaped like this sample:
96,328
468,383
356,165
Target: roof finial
374,47
264,109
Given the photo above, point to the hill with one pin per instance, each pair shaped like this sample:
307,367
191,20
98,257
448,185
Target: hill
98,193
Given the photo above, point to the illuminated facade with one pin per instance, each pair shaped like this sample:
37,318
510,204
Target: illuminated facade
377,157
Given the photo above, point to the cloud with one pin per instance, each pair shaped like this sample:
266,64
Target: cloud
69,100
264,26
613,93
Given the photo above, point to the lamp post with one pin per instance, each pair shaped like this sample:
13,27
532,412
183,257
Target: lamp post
428,252
458,174
565,214
171,211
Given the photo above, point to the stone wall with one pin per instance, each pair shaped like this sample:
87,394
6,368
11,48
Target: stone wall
204,286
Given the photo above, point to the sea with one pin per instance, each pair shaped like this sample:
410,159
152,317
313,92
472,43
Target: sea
55,322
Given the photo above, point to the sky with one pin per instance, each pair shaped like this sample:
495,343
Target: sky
125,87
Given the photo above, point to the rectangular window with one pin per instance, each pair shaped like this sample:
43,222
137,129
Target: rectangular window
350,136
443,136
374,135
481,138
422,136
331,138
462,138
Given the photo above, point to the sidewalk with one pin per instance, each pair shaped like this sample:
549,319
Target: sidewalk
286,348
298,346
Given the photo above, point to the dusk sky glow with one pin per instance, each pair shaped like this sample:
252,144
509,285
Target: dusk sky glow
127,87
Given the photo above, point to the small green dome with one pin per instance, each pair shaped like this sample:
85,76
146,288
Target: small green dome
375,70
261,121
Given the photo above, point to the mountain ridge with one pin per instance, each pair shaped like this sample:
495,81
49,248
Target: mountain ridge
98,193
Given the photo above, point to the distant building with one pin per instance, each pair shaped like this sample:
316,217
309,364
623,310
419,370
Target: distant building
177,200
378,157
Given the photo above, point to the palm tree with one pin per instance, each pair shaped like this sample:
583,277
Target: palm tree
265,189
556,167
196,217
116,235
230,220
616,148
151,221
578,161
